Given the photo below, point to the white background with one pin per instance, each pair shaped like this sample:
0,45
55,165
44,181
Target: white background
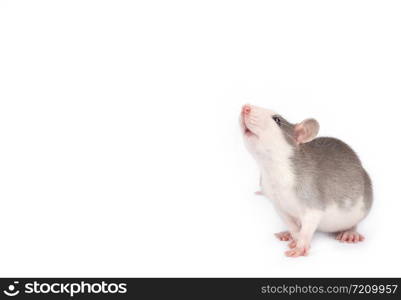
120,152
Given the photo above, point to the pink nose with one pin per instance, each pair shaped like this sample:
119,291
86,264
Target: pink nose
246,109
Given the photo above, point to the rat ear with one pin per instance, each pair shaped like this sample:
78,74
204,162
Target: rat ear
306,131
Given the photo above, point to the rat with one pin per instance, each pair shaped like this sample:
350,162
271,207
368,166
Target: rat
315,184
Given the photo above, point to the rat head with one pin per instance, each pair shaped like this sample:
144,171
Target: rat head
267,132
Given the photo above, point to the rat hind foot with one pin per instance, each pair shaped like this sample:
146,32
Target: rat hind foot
284,236
350,236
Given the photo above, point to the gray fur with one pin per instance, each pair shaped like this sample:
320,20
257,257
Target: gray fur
368,192
327,171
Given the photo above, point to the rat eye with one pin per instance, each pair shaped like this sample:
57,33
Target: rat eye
277,120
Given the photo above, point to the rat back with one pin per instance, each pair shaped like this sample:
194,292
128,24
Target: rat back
330,177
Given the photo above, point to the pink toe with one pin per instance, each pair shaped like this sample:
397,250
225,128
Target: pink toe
246,109
296,252
350,237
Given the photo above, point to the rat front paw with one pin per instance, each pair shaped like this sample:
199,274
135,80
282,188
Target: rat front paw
298,247
284,236
297,251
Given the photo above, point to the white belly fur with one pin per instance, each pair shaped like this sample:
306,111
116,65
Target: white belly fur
336,219
333,218
277,184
